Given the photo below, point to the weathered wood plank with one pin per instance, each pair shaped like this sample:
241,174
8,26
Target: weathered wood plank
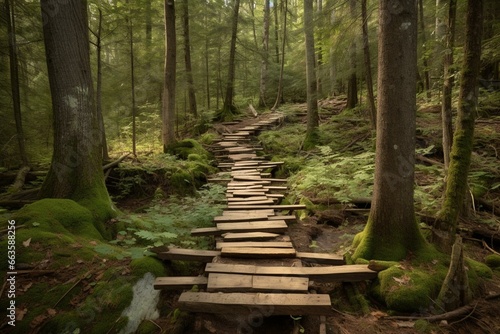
257,253
254,283
249,236
276,226
203,231
240,218
321,258
286,218
250,198
269,212
245,303
179,283
253,244
344,273
183,254
245,201
274,207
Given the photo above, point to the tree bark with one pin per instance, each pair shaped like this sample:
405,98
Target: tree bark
368,66
352,85
391,231
448,75
132,80
14,80
100,117
425,62
187,59
460,157
75,171
279,96
228,109
168,109
265,55
312,94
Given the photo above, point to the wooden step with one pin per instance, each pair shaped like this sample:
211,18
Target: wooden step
179,283
245,201
321,258
258,253
240,218
255,283
204,231
253,244
269,206
249,236
246,303
275,226
183,254
345,273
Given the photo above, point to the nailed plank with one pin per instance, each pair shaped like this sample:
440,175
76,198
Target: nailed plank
321,258
245,201
344,273
246,193
250,198
254,244
287,218
274,207
257,253
278,226
268,212
254,283
240,218
249,236
202,231
245,303
178,283
188,255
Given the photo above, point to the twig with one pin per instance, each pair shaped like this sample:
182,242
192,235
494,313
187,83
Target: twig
467,316
154,323
3,288
485,245
445,316
116,162
17,227
72,287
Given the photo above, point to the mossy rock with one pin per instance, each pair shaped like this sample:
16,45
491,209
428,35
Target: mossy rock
147,264
481,269
492,260
59,216
184,148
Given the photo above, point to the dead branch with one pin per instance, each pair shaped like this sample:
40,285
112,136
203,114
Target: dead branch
459,312
429,161
20,179
116,162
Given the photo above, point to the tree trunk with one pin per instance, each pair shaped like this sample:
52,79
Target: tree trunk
276,31
456,185
352,86
265,55
439,36
76,169
368,67
319,51
168,109
228,109
279,97
391,231
100,117
14,80
312,94
446,108
132,79
187,60
427,80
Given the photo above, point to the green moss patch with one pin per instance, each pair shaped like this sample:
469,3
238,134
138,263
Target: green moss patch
147,264
492,261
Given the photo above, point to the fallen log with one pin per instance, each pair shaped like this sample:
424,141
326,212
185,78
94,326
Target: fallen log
116,162
20,179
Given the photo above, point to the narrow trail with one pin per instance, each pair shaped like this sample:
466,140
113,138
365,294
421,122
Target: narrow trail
254,270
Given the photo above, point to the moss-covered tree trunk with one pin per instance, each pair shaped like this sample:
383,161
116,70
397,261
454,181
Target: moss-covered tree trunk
312,92
392,232
76,170
460,156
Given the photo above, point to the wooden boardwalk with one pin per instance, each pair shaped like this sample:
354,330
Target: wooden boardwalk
254,263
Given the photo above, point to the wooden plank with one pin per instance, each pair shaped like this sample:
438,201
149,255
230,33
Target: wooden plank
345,273
183,254
286,218
250,198
246,193
240,218
245,201
249,236
321,258
246,303
202,231
254,283
278,226
257,253
179,283
268,212
253,244
274,207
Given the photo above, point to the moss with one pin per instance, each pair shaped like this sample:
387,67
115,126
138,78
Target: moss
481,269
423,326
59,216
184,148
147,264
492,260
147,327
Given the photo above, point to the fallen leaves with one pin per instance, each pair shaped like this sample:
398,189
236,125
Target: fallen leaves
403,280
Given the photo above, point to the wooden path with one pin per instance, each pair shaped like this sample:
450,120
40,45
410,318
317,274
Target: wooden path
254,263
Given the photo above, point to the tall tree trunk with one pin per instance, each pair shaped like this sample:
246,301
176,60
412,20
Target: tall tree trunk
425,60
456,185
76,168
446,112
228,109
207,67
439,36
251,5
279,97
352,85
187,60
392,231
368,66
312,94
276,31
132,80
14,79
100,117
168,109
319,52
265,55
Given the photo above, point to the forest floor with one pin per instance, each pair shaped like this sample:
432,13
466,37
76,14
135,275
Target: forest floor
329,229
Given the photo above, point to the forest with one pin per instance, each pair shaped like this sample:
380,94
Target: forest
250,166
